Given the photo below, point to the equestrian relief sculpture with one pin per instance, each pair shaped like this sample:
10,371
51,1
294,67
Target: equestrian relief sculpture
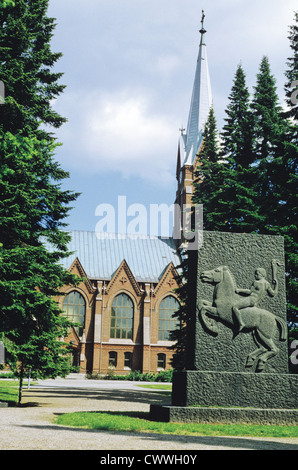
239,309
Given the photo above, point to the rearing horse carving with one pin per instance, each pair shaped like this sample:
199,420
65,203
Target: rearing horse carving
230,304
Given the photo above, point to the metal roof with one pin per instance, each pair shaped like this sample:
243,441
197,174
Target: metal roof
100,254
201,102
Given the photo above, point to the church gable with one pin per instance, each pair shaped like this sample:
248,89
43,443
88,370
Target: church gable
124,279
77,268
168,281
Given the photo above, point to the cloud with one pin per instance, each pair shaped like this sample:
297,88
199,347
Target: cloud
119,131
137,64
167,64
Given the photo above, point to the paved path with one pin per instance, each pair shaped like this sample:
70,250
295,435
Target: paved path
31,427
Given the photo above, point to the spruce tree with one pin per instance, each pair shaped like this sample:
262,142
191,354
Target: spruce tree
269,129
237,131
208,174
25,68
33,207
236,199
276,154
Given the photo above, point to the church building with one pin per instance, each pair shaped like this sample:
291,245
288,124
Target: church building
125,306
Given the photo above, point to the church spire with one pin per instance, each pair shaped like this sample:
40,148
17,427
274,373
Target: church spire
190,141
201,102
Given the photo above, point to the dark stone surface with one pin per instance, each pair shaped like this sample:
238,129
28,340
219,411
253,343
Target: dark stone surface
223,382
211,388
242,254
224,415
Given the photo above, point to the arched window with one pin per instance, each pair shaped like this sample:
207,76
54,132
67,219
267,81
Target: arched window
122,317
74,308
167,322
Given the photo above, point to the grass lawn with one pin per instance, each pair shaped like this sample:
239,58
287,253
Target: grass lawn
9,391
140,422
156,386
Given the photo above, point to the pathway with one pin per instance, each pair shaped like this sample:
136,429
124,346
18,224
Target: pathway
31,427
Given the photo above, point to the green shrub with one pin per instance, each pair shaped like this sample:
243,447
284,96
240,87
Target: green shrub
135,376
165,376
7,375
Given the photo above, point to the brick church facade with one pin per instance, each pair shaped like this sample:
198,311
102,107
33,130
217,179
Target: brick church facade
125,306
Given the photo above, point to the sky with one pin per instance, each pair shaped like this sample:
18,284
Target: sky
128,68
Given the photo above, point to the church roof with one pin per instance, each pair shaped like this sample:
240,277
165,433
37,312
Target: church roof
201,102
100,255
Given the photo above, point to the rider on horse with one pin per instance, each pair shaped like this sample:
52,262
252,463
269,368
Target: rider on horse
257,291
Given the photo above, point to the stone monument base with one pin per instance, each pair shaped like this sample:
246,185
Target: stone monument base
205,415
231,397
211,388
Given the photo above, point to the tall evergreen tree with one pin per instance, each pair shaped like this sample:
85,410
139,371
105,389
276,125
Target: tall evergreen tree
208,173
236,199
276,153
269,128
25,68
33,206
237,131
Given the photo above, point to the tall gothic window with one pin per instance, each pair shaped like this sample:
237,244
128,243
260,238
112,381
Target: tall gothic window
167,322
122,317
74,308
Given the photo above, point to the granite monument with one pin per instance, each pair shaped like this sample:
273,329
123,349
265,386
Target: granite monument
237,345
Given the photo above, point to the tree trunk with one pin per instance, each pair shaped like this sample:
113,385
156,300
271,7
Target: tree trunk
21,385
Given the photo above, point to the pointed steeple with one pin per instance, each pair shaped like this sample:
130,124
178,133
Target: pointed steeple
191,141
201,102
